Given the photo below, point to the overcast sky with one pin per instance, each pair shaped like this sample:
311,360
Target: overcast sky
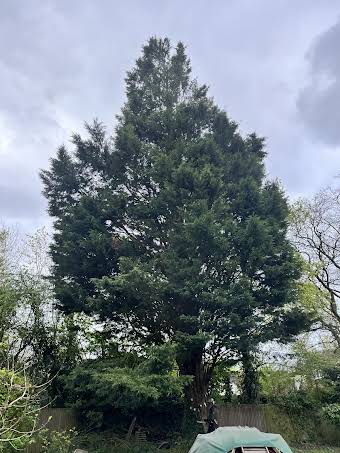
274,66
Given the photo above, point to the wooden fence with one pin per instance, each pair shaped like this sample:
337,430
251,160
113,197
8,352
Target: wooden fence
242,415
293,428
54,419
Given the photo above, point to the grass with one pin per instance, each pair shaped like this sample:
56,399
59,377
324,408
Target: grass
184,448
121,446
317,449
95,443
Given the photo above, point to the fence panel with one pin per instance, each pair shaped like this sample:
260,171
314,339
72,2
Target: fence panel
242,415
55,419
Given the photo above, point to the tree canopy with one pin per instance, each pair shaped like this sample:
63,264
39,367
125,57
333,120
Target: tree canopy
168,230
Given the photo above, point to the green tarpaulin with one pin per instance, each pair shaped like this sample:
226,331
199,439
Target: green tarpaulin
224,439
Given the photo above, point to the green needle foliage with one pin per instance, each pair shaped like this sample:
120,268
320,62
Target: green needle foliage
169,230
106,393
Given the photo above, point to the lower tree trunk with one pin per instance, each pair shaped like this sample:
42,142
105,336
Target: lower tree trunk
250,378
198,391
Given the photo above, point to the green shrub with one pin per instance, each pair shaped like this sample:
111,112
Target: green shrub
108,395
58,442
332,413
105,443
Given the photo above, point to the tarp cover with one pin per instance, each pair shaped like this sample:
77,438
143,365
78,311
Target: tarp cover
224,439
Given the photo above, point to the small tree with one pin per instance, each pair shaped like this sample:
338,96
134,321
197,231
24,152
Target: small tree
33,333
19,409
315,227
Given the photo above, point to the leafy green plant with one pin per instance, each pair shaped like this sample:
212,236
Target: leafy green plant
18,410
58,441
106,443
332,412
101,390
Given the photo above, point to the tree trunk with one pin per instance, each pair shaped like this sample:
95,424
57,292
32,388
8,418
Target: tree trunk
197,392
250,382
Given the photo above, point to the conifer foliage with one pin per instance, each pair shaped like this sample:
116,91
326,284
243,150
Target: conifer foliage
169,230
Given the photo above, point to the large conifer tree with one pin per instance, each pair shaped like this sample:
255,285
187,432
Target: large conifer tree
168,230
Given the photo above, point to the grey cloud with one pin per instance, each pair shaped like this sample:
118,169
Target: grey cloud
64,62
15,199
319,102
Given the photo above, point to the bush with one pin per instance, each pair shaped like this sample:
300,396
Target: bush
105,443
332,413
109,395
58,442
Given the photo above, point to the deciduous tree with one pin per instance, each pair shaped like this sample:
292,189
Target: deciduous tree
315,226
